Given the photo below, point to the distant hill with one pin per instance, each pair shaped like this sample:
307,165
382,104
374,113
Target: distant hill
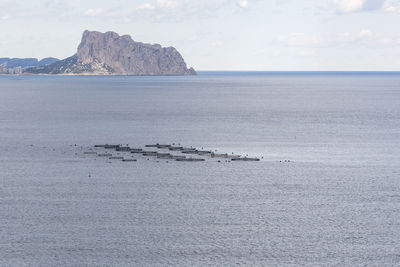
10,63
111,54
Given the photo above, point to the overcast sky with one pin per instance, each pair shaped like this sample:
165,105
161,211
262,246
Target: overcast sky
217,34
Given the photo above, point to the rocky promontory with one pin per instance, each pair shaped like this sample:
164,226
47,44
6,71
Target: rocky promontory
111,54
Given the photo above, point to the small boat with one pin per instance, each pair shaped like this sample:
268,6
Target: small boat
89,153
129,160
100,146
190,159
116,157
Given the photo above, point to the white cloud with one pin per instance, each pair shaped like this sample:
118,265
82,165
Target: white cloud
217,44
93,12
126,20
5,17
349,6
344,6
346,34
365,33
392,6
242,3
167,4
306,53
299,39
146,6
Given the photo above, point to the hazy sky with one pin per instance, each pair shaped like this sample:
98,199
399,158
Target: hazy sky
218,34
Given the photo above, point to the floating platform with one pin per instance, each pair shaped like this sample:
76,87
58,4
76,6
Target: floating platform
203,152
104,155
116,157
215,155
129,160
245,159
150,153
193,151
123,149
163,146
111,146
175,148
190,159
170,157
156,145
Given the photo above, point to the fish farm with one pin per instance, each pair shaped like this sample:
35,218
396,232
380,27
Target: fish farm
163,152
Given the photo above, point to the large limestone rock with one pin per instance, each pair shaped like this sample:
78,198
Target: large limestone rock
111,54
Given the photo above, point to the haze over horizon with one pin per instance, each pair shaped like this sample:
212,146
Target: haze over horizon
218,34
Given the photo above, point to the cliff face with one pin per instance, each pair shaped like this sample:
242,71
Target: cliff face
126,56
111,54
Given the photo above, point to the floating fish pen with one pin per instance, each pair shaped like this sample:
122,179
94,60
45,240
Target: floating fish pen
215,155
175,148
181,153
163,146
192,151
150,153
129,160
163,154
111,146
190,159
156,145
202,152
170,157
245,159
123,149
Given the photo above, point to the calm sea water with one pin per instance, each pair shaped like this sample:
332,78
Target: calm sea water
337,203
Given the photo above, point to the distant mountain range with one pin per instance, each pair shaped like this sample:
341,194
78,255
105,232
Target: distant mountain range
10,63
111,54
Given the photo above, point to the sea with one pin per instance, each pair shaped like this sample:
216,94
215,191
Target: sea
326,191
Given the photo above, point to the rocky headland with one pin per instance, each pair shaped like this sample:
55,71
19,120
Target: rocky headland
111,54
